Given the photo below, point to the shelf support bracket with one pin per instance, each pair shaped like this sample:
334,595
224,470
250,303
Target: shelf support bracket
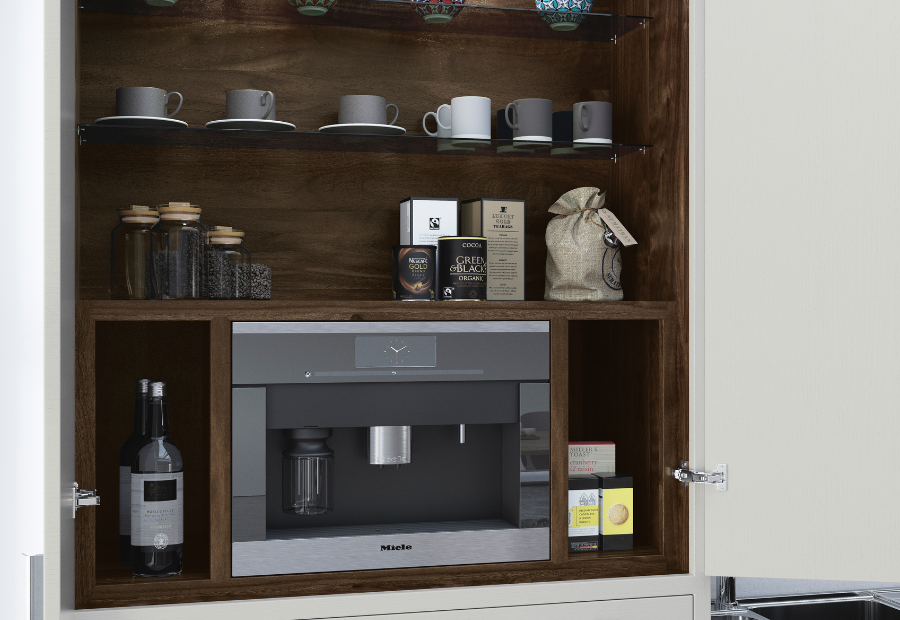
718,476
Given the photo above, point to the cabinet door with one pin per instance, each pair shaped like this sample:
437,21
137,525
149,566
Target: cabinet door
801,338
659,608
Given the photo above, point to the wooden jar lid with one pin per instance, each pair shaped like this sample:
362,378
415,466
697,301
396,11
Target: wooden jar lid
137,211
179,207
225,231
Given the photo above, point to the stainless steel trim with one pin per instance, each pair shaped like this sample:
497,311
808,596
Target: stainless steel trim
317,555
398,327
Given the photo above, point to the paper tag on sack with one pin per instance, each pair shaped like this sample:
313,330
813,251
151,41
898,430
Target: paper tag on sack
616,226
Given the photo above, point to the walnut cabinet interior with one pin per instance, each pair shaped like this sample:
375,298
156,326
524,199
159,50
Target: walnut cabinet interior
324,222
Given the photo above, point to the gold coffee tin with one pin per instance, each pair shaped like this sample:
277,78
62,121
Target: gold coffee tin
413,272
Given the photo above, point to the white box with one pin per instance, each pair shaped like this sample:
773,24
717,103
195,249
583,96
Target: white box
502,223
591,457
423,220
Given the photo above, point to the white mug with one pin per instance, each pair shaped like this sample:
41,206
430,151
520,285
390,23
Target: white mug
443,118
471,118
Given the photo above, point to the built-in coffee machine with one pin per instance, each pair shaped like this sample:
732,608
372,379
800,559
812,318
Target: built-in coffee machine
359,445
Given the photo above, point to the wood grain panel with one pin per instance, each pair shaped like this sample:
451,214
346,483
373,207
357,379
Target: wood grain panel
85,442
220,449
324,222
177,353
645,561
622,395
559,432
373,311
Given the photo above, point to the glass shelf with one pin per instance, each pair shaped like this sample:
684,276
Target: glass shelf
315,141
510,21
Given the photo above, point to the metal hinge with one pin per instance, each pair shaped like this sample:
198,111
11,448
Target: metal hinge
83,497
718,476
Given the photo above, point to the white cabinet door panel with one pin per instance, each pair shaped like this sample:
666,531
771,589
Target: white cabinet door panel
662,608
802,288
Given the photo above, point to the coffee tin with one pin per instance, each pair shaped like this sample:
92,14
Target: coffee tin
463,268
414,268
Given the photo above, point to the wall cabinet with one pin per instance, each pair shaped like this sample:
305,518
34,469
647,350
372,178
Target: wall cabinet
622,370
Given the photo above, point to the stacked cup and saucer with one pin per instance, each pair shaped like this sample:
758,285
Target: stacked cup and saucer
365,114
250,109
143,106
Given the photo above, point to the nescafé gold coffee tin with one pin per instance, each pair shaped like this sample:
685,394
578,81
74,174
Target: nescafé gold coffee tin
414,272
463,268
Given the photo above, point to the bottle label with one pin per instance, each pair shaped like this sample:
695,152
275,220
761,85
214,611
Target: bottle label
124,501
157,510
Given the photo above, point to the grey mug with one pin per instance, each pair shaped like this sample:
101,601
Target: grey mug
592,122
250,104
145,101
532,119
365,109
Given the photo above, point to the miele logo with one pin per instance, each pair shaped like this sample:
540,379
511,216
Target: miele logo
396,547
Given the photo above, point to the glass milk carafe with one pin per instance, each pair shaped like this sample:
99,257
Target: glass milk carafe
179,254
307,473
228,264
130,272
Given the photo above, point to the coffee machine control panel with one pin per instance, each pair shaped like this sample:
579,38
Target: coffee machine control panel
396,351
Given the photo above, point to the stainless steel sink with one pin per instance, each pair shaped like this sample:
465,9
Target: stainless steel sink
860,609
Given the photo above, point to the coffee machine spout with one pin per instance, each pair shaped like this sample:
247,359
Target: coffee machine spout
390,445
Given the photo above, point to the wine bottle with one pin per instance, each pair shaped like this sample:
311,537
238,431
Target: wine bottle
157,497
126,458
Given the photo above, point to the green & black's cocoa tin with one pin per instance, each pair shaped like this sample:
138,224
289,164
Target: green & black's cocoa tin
462,272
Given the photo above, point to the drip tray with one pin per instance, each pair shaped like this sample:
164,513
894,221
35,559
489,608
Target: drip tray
393,528
405,545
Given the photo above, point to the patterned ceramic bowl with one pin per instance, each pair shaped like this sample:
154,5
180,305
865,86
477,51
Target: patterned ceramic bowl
438,11
312,7
568,19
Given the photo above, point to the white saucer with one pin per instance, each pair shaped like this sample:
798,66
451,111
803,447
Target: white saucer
364,128
258,124
593,141
140,121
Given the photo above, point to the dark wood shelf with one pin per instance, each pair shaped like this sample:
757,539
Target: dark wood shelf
375,310
500,19
315,141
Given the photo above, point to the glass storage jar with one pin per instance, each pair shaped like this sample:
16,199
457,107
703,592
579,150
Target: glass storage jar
228,264
179,254
130,255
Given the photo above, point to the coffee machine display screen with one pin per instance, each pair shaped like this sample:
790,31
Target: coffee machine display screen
396,351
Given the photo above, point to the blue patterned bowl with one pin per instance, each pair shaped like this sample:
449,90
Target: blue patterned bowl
563,15
312,7
438,11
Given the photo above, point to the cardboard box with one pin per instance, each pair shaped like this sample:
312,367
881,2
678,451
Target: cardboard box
502,223
589,457
423,220
584,514
616,511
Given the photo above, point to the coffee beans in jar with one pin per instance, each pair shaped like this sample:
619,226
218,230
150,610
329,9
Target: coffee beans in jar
463,268
414,268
